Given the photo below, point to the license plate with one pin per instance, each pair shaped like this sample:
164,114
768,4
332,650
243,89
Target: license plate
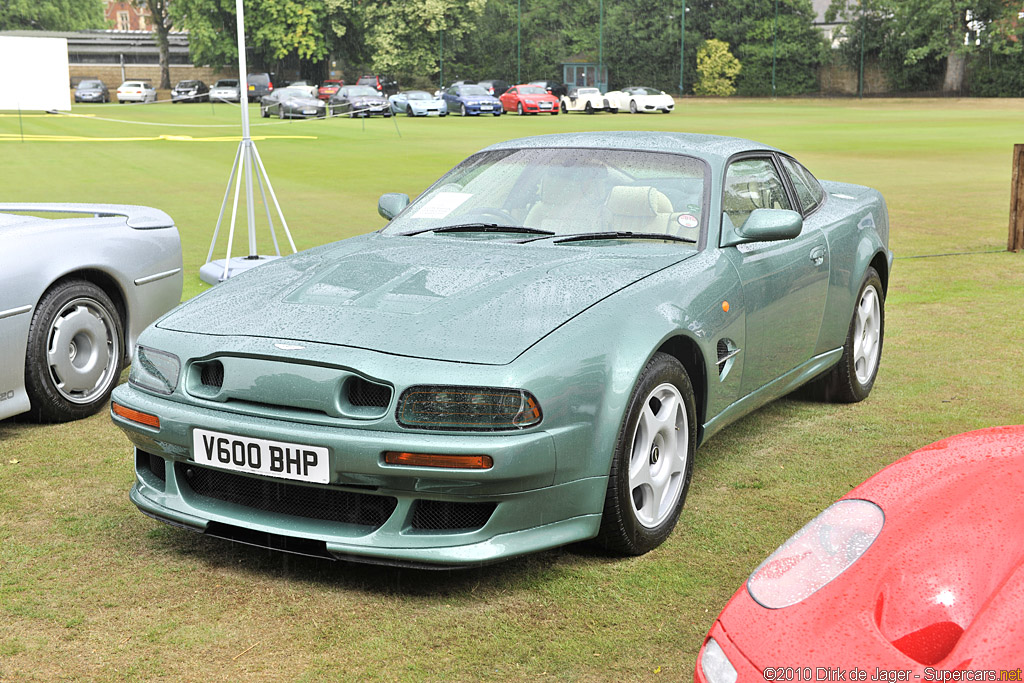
545,105
261,456
485,107
309,111
252,87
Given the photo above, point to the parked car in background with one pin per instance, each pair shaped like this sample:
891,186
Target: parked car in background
358,100
384,85
298,101
529,99
918,572
92,91
258,85
76,293
587,100
554,87
417,103
226,90
638,99
494,87
328,88
458,387
190,91
471,99
136,91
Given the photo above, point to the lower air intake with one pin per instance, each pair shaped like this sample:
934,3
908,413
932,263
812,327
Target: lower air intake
268,495
438,515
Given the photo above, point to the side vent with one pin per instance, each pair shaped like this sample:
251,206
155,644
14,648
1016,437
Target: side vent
727,352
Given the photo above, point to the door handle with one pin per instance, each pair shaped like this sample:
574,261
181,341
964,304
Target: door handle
818,255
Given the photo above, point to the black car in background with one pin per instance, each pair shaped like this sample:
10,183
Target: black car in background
495,86
384,85
358,100
190,91
258,85
92,91
554,87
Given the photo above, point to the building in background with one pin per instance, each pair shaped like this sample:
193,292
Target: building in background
125,16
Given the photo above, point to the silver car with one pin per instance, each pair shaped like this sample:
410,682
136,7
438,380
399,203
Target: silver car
226,90
74,295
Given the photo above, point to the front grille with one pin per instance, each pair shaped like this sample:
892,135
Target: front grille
212,374
439,515
269,495
363,393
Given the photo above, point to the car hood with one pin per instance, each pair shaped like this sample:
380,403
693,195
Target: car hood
942,585
454,299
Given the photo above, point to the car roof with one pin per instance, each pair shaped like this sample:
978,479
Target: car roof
710,147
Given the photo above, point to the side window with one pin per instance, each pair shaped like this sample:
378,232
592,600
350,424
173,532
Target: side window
808,190
752,184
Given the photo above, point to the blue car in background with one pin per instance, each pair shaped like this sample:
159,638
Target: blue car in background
417,103
470,99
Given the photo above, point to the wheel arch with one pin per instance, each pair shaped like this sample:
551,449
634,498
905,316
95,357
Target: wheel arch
881,264
686,350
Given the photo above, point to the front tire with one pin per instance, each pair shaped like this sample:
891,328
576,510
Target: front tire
519,109
462,110
588,108
75,352
632,106
852,378
565,110
653,460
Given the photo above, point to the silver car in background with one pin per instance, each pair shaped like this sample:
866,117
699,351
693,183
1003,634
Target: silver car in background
74,295
226,90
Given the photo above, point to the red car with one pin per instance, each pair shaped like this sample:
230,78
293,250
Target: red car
916,574
328,88
529,99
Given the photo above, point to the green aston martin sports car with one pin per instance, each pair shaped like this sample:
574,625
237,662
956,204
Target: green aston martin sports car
528,355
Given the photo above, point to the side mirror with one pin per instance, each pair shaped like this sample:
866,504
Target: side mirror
763,225
391,204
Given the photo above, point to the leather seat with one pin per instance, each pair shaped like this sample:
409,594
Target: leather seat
639,209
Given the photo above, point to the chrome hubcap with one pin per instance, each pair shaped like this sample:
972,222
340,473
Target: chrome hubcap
867,333
658,456
81,351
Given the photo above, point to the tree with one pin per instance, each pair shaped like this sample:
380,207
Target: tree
53,15
922,34
717,69
162,25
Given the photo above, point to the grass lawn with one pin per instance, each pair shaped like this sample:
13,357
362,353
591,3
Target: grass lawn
91,589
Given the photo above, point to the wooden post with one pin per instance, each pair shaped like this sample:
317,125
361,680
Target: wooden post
1016,239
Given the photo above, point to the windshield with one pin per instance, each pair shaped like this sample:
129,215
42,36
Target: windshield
297,91
418,95
588,91
567,192
361,91
90,85
532,90
644,91
472,90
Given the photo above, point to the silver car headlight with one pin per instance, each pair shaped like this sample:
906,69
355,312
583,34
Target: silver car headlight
715,665
155,371
467,408
826,547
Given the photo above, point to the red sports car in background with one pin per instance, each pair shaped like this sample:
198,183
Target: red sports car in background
529,99
328,88
916,574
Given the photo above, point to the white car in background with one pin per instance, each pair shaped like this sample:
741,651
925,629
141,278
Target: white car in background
226,90
587,100
136,91
639,98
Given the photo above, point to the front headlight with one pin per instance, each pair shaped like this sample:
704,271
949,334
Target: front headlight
716,666
155,370
818,553
468,408
530,101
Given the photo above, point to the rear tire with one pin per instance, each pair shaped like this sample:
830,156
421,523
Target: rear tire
653,460
852,378
75,352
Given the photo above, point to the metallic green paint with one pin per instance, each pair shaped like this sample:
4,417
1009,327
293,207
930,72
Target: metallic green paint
572,324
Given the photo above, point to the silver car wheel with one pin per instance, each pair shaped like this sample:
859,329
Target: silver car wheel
866,334
82,350
659,456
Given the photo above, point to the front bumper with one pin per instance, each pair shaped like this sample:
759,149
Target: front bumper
745,670
514,506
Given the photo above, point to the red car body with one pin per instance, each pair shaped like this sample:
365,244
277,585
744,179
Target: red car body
328,88
529,99
938,594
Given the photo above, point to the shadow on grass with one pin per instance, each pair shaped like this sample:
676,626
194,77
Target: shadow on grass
263,563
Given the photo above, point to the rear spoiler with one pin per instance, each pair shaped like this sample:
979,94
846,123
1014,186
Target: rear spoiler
139,217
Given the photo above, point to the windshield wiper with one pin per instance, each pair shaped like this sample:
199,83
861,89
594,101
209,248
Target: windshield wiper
482,227
624,235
